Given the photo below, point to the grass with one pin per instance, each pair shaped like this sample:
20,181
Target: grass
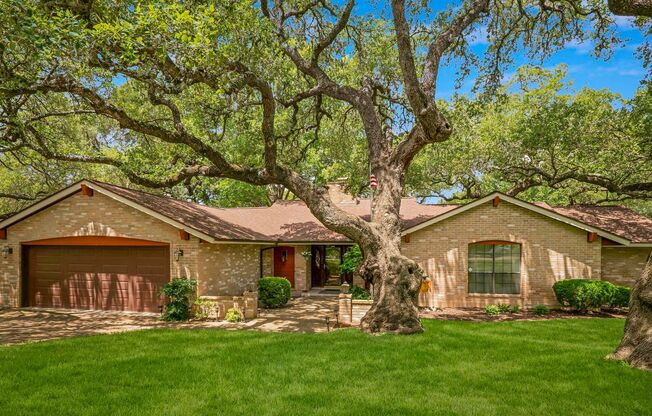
554,367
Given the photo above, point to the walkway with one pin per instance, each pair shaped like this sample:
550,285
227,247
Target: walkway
303,314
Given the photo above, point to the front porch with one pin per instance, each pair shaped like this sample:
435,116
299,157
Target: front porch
313,270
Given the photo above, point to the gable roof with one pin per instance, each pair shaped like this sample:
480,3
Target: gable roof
618,228
292,221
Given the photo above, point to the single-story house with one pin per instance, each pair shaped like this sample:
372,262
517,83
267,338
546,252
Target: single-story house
94,245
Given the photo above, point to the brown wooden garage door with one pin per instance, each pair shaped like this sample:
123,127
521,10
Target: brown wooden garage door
111,278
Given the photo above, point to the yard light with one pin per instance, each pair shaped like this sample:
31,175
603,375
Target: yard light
6,251
178,253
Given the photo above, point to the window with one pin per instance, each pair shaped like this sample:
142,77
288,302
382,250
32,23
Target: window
495,267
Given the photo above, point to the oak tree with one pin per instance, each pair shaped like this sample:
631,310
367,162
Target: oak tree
244,90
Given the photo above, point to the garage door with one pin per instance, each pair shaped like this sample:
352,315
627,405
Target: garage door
111,278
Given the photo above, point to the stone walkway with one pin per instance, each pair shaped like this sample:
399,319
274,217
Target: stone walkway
25,325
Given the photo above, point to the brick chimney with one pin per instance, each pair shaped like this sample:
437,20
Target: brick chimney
336,192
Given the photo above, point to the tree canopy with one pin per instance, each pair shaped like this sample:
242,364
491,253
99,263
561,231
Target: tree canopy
541,140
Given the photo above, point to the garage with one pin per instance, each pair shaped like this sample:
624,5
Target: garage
120,278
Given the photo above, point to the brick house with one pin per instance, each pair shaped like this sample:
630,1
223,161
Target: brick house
95,245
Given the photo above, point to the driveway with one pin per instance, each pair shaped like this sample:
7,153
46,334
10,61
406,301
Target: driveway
25,325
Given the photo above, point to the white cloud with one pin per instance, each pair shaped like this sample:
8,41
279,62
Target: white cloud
622,71
631,72
624,22
581,48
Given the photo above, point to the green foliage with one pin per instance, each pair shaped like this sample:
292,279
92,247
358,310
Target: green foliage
501,308
621,297
537,125
233,315
274,292
177,295
492,310
359,293
541,310
352,260
504,308
157,49
203,308
582,294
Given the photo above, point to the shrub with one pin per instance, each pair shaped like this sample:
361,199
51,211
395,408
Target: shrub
582,294
504,308
204,308
177,294
515,309
541,310
621,297
273,292
351,260
358,292
492,310
233,315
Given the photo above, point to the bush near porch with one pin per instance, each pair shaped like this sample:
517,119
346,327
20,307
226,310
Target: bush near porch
553,367
274,292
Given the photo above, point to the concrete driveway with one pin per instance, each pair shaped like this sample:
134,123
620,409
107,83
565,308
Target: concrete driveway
28,324
23,325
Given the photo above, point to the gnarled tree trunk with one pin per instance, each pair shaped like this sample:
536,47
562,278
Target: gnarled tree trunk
396,281
636,345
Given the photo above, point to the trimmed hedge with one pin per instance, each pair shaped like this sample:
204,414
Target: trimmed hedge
273,292
621,297
583,294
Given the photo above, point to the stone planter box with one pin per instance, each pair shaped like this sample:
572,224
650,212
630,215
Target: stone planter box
351,311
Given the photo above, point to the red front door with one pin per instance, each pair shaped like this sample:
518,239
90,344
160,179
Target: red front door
284,263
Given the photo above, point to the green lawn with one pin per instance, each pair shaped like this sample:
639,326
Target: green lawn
455,368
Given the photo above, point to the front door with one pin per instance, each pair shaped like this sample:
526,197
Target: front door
284,263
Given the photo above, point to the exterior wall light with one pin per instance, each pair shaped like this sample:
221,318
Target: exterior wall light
6,251
178,253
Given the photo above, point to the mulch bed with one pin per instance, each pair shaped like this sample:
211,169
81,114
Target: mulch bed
478,315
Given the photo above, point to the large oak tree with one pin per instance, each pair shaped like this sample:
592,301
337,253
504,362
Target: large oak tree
244,90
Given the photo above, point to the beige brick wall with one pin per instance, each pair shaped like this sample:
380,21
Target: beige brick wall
301,269
98,215
550,251
623,266
228,269
268,262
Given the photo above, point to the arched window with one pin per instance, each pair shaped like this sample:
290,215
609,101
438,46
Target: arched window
495,267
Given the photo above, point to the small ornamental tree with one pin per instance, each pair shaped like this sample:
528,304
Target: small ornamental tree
170,91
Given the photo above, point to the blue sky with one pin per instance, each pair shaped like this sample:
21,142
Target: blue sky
621,73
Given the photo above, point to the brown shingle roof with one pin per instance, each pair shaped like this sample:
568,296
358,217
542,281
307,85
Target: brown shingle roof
292,221
615,219
289,221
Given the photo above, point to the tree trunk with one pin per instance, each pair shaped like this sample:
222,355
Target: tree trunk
636,345
396,281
